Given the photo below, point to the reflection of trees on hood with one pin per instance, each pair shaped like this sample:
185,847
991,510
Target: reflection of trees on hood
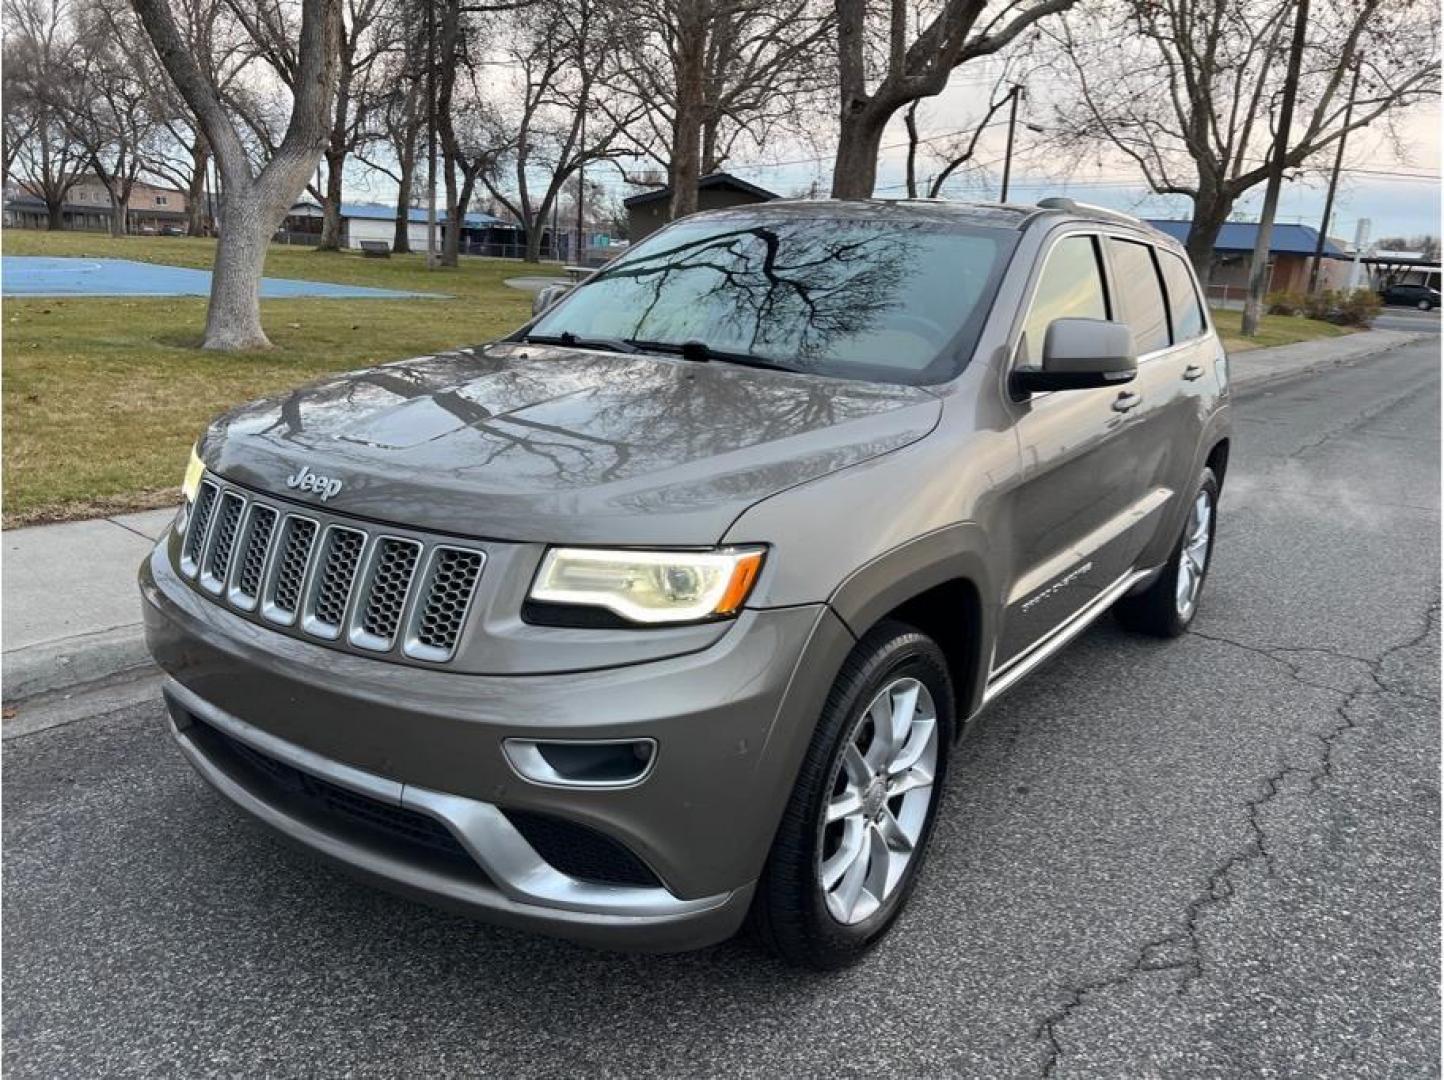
800,290
560,422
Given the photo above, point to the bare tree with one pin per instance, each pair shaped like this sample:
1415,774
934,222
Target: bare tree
398,110
883,69
1189,92
40,151
565,116
255,202
957,150
108,100
710,73
356,99
182,156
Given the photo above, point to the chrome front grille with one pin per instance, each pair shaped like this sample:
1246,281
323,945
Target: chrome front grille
331,586
340,582
222,542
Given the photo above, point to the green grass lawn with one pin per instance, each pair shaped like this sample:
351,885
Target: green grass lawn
1272,330
103,397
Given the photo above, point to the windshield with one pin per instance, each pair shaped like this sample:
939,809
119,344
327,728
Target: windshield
886,300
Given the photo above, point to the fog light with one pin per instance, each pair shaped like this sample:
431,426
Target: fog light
582,763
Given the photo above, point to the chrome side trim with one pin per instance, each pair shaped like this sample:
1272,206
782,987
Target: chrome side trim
1063,633
512,864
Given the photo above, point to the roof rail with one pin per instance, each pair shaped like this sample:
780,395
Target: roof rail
1073,206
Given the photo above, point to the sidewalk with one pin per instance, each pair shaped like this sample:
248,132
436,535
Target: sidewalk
72,610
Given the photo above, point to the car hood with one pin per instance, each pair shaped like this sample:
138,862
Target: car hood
535,443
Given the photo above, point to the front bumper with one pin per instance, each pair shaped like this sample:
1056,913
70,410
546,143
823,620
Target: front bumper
730,725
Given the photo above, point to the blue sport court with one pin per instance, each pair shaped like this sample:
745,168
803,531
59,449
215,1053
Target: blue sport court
28,275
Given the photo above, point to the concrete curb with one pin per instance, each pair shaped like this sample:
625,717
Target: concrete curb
74,662
1366,343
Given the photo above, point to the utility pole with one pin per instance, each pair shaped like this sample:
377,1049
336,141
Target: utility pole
1258,271
1361,240
431,259
1334,180
581,184
1014,93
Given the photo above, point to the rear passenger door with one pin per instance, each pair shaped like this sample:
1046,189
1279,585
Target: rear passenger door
1161,387
1158,301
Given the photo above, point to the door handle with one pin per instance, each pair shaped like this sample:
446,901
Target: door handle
1193,371
1127,400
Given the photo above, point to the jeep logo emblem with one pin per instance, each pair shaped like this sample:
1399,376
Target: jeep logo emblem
305,480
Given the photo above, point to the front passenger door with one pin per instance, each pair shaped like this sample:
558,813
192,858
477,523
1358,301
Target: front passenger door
1079,489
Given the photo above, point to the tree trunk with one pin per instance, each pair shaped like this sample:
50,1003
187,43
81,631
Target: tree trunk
854,170
401,241
455,219
196,190
233,320
691,49
55,214
534,240
1209,214
117,216
331,204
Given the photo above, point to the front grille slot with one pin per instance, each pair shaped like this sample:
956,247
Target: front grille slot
200,522
331,584
323,577
393,565
407,832
441,611
298,537
223,541
581,852
254,546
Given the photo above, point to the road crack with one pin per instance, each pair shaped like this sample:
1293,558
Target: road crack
1182,951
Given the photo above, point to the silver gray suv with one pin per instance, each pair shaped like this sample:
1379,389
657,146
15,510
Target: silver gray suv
668,609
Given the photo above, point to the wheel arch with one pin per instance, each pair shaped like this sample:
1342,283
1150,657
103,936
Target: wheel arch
1217,460
938,583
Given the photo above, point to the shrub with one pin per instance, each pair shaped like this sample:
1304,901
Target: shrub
1357,308
1285,303
1322,304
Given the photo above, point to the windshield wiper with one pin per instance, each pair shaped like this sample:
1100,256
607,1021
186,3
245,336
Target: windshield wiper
694,349
570,340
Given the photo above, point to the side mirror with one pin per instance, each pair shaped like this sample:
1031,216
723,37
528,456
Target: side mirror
1079,354
549,295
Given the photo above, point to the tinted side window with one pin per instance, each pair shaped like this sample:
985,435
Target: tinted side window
1071,287
1140,296
1182,297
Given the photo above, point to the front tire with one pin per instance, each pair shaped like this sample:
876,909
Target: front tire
1167,607
857,826
1425,305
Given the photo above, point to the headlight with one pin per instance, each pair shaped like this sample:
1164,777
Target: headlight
195,469
649,586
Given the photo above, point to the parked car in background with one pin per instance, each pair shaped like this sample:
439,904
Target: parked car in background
668,609
1410,294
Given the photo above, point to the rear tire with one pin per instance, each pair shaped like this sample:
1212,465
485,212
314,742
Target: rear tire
861,812
1167,607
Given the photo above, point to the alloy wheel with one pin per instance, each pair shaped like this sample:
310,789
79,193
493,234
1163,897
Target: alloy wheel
879,801
1193,554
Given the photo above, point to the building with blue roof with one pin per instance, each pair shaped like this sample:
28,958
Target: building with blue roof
1291,253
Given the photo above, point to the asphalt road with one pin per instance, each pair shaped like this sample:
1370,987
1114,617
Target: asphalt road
1211,857
1402,318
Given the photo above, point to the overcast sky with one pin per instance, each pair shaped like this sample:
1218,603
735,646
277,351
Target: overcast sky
1399,193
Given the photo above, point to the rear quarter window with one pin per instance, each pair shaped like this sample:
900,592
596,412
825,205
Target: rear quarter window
1183,302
